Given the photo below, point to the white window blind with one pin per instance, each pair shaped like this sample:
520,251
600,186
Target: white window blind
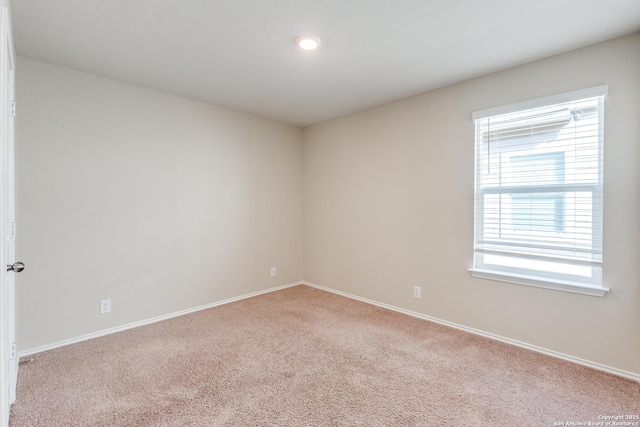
538,191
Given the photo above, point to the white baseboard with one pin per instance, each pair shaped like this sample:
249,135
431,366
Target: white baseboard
590,364
148,321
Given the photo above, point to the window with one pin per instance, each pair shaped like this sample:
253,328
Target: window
538,192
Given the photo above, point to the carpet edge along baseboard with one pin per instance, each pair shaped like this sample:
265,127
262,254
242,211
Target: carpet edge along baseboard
537,349
144,322
590,364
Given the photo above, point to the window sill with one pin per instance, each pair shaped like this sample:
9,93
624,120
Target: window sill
558,285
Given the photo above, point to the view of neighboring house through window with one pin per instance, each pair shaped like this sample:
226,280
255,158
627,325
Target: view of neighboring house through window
538,212
538,192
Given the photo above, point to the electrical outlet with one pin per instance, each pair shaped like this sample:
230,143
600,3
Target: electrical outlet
105,306
273,272
417,292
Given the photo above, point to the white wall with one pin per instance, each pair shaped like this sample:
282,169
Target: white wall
157,202
389,205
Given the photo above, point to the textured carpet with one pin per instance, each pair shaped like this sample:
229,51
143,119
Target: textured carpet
304,357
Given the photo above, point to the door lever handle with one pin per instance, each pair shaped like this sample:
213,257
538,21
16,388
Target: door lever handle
16,267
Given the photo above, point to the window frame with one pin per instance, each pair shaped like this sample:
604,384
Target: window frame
539,278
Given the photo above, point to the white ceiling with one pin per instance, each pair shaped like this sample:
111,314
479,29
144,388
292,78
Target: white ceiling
241,54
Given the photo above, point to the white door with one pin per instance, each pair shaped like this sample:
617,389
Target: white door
9,361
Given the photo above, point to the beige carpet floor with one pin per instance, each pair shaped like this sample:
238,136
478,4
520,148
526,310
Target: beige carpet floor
304,357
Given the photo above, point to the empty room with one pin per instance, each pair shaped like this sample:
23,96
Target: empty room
320,213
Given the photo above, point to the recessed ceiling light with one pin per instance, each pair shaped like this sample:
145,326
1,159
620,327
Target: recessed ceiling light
308,42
